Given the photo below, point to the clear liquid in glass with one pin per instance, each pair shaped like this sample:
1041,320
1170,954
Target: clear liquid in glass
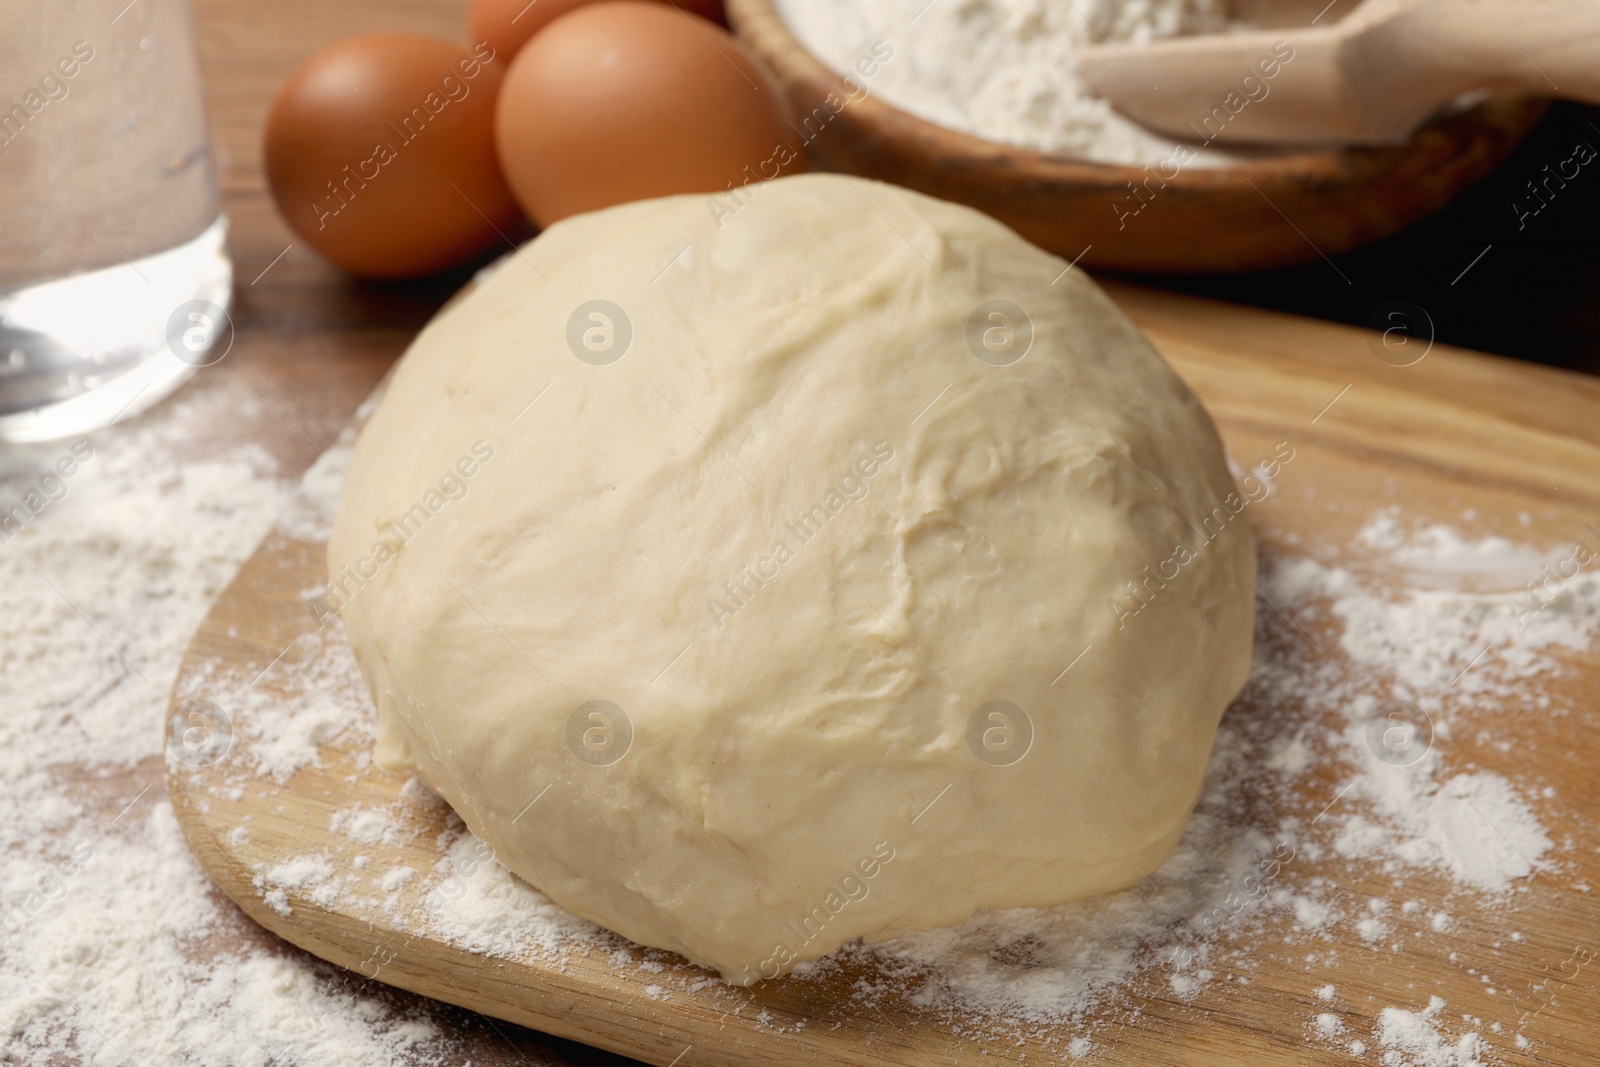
114,277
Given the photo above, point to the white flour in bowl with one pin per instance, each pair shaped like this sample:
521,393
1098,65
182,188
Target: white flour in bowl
1003,70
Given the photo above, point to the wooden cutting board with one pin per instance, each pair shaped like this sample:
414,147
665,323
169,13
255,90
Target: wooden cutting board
1451,435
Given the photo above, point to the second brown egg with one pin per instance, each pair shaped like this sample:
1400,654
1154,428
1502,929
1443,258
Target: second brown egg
631,100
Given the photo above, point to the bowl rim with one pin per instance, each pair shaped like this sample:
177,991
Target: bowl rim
759,25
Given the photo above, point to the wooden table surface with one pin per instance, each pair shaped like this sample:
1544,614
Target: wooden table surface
310,340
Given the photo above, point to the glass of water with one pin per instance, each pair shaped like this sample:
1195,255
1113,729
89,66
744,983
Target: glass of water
114,279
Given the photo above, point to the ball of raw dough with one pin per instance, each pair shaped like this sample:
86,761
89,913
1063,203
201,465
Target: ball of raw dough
758,573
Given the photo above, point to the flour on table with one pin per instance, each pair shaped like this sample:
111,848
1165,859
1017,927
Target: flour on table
312,875
370,826
1437,549
397,878
114,947
1416,1039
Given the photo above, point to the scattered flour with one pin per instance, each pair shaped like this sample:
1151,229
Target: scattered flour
396,879
480,905
1414,1039
299,873
1440,549
370,826
110,934
1311,914
114,947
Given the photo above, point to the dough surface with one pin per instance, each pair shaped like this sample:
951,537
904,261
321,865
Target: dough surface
736,613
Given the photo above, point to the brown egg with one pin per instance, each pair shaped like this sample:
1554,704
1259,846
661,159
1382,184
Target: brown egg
380,154
508,24
630,100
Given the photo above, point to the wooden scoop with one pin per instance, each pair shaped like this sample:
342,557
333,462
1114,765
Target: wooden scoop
1369,78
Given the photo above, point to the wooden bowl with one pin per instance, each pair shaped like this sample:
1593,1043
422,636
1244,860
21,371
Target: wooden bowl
1263,213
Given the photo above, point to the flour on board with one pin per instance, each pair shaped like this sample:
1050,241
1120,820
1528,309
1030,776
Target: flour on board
110,933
